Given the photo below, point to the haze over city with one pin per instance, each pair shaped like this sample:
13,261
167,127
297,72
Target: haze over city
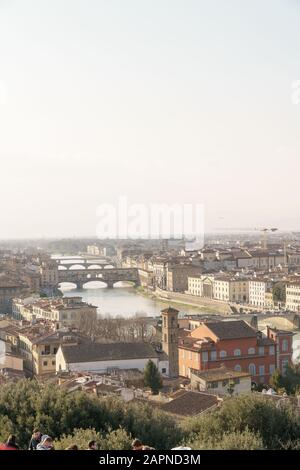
161,102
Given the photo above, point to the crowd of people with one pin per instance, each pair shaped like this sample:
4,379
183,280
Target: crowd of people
40,441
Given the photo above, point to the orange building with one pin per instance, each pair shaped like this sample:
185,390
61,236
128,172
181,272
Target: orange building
236,345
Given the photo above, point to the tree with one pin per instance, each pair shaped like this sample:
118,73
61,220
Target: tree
290,381
230,388
278,291
152,377
253,412
117,439
28,404
245,440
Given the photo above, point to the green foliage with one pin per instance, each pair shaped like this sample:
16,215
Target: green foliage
253,413
153,427
290,382
80,437
251,421
152,377
279,292
230,388
118,439
28,404
6,428
245,440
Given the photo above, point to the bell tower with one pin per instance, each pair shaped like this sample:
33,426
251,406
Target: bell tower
170,338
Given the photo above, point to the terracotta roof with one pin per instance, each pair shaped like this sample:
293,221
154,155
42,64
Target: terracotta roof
107,352
233,329
190,403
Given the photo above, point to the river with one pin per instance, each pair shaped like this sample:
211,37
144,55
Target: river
123,300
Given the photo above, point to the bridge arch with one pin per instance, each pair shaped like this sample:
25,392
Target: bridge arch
66,285
76,267
119,284
95,266
100,284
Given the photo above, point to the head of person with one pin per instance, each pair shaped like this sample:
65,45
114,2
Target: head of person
36,434
137,445
72,447
92,445
46,441
11,439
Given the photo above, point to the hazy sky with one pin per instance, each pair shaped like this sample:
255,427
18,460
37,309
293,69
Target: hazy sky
161,101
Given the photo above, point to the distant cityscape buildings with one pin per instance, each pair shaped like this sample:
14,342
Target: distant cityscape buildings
48,335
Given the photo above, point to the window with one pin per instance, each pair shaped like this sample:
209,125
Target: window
47,349
53,363
55,350
237,352
205,356
272,369
224,383
223,353
214,385
45,363
165,338
251,351
271,350
163,370
285,345
261,370
213,355
284,364
237,368
252,369
261,350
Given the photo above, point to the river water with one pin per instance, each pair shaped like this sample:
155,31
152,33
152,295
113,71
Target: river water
123,300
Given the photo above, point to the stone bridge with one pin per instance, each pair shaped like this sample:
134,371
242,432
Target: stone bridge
108,276
284,321
87,263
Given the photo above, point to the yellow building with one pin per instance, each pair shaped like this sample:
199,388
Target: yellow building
39,346
64,312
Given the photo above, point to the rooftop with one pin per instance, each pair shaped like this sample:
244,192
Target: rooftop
189,403
221,373
232,329
108,351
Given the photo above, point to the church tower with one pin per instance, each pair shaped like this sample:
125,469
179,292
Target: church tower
170,338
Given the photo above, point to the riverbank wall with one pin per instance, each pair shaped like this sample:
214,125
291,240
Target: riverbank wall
202,304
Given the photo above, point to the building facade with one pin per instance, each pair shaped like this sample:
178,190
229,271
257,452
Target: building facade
237,346
293,297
